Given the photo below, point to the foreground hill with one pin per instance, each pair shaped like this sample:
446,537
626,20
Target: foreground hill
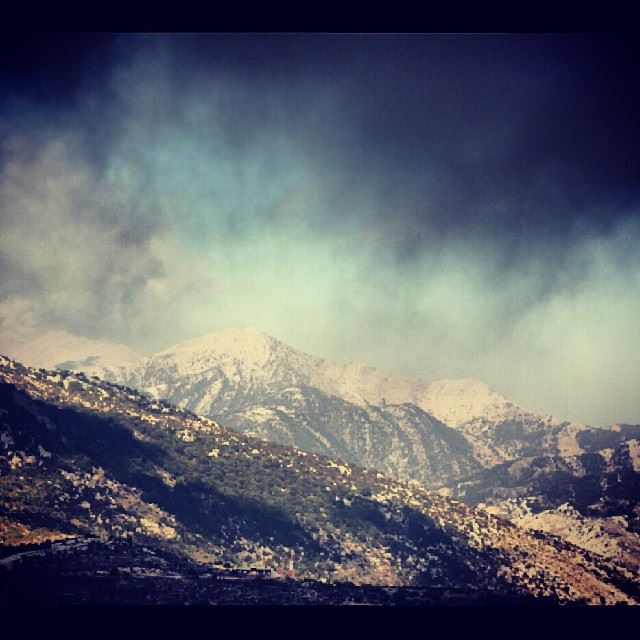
81,457
124,572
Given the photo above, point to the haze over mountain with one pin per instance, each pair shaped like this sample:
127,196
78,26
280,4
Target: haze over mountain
444,205
434,432
60,349
255,364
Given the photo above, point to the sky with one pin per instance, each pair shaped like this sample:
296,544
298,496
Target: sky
440,205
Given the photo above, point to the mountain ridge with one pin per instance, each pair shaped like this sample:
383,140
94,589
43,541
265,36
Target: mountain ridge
253,352
237,373
401,440
104,460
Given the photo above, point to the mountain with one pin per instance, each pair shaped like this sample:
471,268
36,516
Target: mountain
591,499
86,458
401,440
237,375
501,439
229,369
442,434
63,350
248,378
257,384
599,483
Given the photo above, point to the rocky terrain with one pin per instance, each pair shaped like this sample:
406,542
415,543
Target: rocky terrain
82,457
92,571
591,499
431,432
458,437
611,537
401,440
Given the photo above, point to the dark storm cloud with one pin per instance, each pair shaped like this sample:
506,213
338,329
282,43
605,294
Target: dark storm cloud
510,136
514,135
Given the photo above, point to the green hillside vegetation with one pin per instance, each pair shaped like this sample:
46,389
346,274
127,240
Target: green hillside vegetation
81,457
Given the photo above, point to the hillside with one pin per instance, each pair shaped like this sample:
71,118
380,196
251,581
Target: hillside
257,384
401,440
83,457
591,499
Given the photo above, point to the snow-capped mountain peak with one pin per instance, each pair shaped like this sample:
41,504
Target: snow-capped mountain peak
219,371
216,372
459,400
247,346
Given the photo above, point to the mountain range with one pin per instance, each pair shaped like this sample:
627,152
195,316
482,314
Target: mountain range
93,462
433,432
456,437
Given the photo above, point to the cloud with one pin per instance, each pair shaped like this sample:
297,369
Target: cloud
75,250
395,201
575,349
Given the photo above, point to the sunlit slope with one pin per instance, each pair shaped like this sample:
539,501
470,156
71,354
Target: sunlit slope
83,456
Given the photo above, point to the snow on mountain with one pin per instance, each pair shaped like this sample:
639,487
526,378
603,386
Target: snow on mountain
62,350
217,371
235,371
460,400
224,371
255,351
401,440
239,363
